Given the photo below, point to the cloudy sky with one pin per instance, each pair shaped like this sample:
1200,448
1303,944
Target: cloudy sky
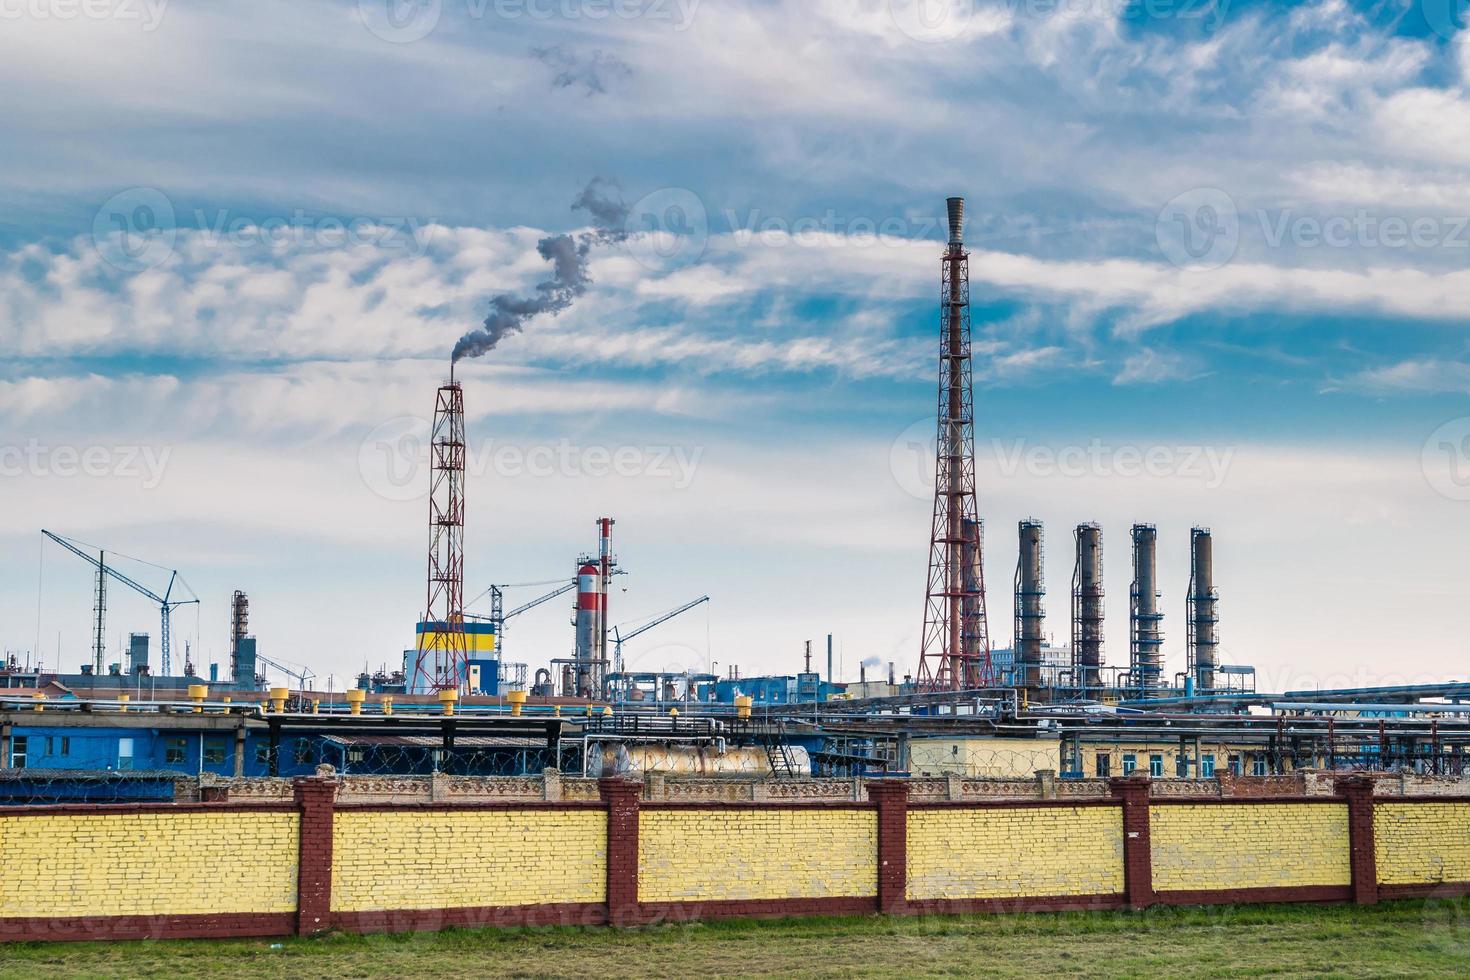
1219,268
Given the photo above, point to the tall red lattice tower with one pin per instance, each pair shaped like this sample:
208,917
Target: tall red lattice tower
442,650
956,645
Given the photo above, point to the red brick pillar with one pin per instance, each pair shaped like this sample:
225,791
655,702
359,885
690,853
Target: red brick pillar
316,798
1138,859
1358,791
621,796
891,796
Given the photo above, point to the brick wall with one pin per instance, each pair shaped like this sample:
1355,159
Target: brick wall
318,863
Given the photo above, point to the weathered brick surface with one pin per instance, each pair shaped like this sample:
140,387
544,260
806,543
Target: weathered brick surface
1205,847
147,863
1011,851
757,853
439,859
1422,843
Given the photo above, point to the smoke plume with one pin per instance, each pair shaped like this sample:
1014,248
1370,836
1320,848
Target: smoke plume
569,280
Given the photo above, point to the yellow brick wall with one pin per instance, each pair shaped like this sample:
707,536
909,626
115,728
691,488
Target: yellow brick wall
1420,843
1001,852
689,855
384,860
1249,845
148,863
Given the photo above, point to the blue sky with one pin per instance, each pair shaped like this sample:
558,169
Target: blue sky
237,242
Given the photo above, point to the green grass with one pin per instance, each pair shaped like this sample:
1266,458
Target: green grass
1395,939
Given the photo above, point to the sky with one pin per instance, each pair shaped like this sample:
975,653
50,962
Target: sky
1218,270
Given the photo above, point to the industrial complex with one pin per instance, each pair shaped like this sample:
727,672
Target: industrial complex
965,706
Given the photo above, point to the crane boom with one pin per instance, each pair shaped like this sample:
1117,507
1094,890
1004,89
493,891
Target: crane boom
567,587
618,638
166,604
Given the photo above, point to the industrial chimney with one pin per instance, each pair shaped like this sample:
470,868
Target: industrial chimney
956,208
1146,639
1087,607
1030,617
1203,611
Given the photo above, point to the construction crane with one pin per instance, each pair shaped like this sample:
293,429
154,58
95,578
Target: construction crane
301,675
498,615
166,603
618,638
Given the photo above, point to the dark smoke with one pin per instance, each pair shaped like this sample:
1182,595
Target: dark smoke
592,72
569,280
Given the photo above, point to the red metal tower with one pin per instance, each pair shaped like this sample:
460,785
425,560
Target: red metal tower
442,650
956,644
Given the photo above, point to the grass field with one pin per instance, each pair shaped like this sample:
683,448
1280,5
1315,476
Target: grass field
1395,939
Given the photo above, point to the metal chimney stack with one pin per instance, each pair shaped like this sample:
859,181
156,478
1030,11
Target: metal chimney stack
1203,611
1146,639
1030,616
956,208
1087,607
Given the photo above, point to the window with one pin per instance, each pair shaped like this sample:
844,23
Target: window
303,752
1130,763
58,745
1258,768
262,755
1234,764
214,751
1207,765
18,747
125,753
173,751
1104,764
1156,765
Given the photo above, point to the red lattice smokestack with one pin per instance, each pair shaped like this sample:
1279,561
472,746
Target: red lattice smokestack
955,651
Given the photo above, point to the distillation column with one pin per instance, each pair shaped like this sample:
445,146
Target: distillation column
1146,638
1087,608
1030,616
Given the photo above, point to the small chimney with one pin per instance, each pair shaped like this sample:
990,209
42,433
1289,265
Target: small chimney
956,207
